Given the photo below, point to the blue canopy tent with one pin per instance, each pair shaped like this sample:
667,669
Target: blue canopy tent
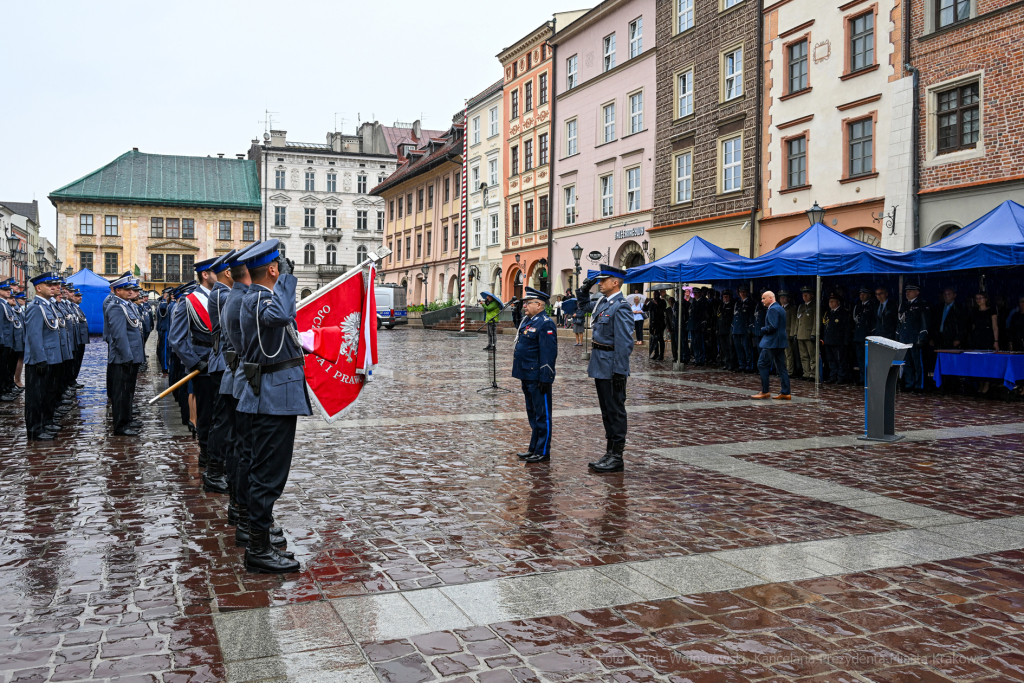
680,265
94,290
995,240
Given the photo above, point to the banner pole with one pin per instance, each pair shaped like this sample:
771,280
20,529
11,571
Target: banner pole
463,234
174,386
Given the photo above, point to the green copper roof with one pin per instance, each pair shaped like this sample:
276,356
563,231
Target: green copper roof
137,178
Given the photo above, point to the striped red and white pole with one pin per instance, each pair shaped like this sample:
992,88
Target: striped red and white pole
463,242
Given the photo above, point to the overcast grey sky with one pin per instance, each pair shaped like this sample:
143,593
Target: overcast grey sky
87,80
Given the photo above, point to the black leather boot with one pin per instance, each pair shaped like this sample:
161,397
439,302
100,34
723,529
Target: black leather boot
204,460
613,462
261,558
232,506
214,479
242,527
604,458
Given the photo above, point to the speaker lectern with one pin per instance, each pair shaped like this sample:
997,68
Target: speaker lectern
884,359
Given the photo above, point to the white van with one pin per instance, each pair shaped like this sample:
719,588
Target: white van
390,306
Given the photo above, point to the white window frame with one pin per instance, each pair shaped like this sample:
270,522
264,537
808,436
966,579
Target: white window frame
607,195
571,142
682,181
332,182
332,218
732,77
608,119
476,178
492,172
280,211
636,37
476,232
569,197
636,112
310,183
380,221
634,189
608,60
684,98
332,255
362,218
494,228
726,4
571,65
361,182
684,15
280,179
493,115
476,130
732,170
308,217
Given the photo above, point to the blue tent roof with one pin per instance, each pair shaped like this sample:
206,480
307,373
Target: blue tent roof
681,264
94,290
818,250
996,239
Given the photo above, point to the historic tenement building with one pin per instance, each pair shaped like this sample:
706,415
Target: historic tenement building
317,198
486,219
158,214
706,161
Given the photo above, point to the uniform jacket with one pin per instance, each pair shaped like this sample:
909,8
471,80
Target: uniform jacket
65,335
790,310
19,329
698,315
7,319
83,326
805,321
106,302
123,328
774,330
836,327
886,320
913,322
163,319
612,325
533,359
953,329
863,319
231,337
218,297
185,332
147,319
759,315
266,318
743,316
724,320
42,341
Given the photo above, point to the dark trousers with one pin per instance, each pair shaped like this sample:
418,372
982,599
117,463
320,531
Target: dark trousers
728,353
711,344
744,354
699,352
133,383
776,358
242,454
657,342
119,392
913,369
860,353
206,393
218,422
638,325
38,410
837,357
161,343
613,409
7,355
226,434
273,438
79,356
538,410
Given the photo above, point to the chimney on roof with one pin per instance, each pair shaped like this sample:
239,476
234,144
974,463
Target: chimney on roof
416,130
239,156
278,137
220,155
135,149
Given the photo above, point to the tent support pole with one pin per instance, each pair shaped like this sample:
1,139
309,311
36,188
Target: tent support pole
678,366
817,335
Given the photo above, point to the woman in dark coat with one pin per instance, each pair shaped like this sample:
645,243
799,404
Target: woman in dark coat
984,328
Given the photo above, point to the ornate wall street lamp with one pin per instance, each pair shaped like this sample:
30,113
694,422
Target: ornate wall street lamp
56,266
41,260
816,214
577,254
426,271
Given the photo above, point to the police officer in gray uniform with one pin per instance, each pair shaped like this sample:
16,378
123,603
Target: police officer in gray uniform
123,330
83,334
215,478
533,364
42,360
612,323
8,359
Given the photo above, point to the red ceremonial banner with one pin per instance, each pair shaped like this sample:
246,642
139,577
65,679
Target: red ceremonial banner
335,378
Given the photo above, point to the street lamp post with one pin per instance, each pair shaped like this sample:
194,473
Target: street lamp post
816,215
577,254
426,271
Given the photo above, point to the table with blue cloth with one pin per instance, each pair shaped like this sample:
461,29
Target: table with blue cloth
986,364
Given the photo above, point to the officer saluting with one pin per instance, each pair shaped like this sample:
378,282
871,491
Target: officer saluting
533,363
612,323
123,330
42,360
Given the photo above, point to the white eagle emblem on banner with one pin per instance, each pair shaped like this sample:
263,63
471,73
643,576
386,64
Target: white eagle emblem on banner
350,335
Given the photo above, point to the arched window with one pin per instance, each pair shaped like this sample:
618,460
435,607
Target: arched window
309,255
332,255
306,292
866,235
947,230
361,253
281,251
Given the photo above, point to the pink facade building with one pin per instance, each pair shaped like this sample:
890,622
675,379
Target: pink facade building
605,137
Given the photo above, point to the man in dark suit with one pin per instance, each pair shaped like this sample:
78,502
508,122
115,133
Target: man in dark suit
773,348
885,314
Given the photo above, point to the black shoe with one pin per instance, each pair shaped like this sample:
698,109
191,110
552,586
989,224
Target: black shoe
53,427
277,540
607,454
612,462
488,348
42,436
524,456
79,385
127,432
232,506
261,558
214,482
242,527
135,424
538,457
7,398
275,530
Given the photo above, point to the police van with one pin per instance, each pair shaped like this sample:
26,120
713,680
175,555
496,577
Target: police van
390,306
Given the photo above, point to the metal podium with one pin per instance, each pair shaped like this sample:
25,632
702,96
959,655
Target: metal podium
884,360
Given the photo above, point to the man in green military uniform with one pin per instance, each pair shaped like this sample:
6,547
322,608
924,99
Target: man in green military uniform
806,334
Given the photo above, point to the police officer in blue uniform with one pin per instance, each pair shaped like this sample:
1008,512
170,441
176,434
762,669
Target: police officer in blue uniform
83,334
8,359
612,325
835,337
19,335
696,325
742,322
274,394
913,329
533,364
163,324
863,323
215,478
123,330
42,360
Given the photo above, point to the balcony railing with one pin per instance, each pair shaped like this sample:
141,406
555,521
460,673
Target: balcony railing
331,269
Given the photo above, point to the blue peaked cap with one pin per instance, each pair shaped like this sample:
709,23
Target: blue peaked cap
238,259
204,265
44,277
222,263
262,254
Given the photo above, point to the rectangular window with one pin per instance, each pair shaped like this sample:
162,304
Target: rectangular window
332,218
225,230
447,189
528,96
732,3
173,262
528,155
419,200
85,259
401,206
361,184
862,41
361,220
570,205
398,254
609,52
110,226
732,165
85,224
798,66
959,120
444,239
492,173
332,182
110,264
636,37
476,233
861,147
636,113
950,12
633,189
156,227
408,247
609,121
309,218
188,228
514,161
544,213
607,196
570,73
515,220
279,179
684,10
430,242
528,223
419,245
734,74
796,162
310,180
684,86
391,212
570,137
408,204
188,264
248,231
380,221
684,177
476,130
476,178
515,103
156,267
543,80
430,196
494,228
391,256
542,152
172,228
493,120
458,184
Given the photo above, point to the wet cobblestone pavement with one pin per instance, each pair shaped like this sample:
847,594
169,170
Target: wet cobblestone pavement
429,551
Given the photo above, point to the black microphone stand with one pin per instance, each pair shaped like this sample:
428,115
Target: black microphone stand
494,356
